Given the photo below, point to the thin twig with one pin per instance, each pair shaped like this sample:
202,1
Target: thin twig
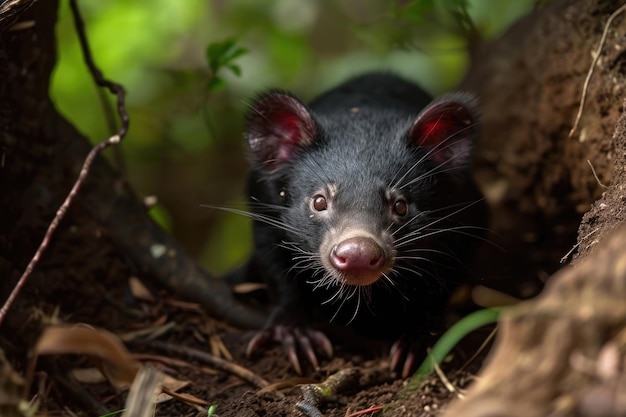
446,382
101,82
217,363
116,89
373,409
481,348
582,239
98,77
593,171
593,66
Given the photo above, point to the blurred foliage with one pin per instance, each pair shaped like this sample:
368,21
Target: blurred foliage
190,67
222,56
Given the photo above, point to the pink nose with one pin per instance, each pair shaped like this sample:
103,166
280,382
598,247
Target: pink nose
357,255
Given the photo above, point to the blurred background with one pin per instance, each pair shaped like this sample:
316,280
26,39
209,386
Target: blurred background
190,68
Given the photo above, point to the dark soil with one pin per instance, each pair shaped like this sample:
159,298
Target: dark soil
88,293
536,180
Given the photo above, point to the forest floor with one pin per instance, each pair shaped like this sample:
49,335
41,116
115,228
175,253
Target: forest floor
187,327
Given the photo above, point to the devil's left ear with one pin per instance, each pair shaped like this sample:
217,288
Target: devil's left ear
278,126
447,128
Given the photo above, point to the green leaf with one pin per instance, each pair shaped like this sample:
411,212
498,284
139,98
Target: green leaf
222,54
216,84
234,54
235,69
216,52
416,11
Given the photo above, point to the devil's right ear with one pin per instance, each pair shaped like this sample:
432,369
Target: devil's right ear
448,128
278,125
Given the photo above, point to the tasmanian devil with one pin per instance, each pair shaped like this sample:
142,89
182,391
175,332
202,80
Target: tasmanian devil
365,212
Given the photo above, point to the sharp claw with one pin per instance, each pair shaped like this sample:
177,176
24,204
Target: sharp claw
404,354
289,346
395,347
395,355
257,340
409,362
305,346
293,359
321,341
309,342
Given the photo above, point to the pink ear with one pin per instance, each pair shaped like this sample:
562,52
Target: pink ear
278,124
447,127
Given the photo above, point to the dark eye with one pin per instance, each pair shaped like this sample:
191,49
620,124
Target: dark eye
319,203
400,207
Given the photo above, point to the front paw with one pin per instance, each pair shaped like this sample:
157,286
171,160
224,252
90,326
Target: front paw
294,338
407,353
